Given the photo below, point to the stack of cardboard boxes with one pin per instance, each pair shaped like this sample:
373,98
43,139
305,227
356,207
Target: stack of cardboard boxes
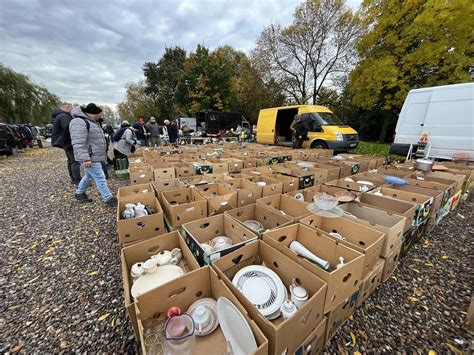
202,192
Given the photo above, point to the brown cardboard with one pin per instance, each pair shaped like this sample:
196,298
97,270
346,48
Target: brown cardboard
352,186
371,281
340,314
197,180
272,187
268,217
389,223
391,263
139,228
141,176
310,192
283,335
203,230
164,173
332,170
341,282
235,165
182,206
143,250
133,167
219,166
164,185
182,292
423,203
247,191
436,194
286,205
135,190
315,342
289,183
406,209
365,240
219,197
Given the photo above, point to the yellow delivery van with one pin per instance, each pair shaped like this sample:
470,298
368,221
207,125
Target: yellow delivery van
326,130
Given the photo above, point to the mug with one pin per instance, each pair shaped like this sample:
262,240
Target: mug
299,295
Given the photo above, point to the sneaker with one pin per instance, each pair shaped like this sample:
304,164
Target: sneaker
82,197
111,202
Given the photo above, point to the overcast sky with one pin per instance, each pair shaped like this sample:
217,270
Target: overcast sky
87,50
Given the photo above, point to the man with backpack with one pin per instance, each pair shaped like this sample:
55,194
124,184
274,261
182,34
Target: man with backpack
90,149
124,143
61,138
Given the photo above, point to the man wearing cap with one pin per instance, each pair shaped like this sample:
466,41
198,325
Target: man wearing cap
90,148
154,131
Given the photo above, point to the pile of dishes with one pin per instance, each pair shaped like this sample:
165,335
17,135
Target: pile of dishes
156,271
255,225
217,244
133,210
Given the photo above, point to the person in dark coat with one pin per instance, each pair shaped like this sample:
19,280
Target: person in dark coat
61,138
301,133
172,131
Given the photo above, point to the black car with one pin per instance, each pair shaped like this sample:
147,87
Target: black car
7,139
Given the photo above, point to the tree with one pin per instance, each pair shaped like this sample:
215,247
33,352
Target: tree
108,115
410,44
313,51
22,101
162,81
137,103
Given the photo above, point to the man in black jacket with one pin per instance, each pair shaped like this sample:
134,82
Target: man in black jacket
172,131
61,138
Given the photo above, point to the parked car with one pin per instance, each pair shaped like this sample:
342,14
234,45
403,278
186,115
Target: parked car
445,114
7,140
326,129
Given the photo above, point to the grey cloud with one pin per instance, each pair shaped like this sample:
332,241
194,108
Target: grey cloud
87,50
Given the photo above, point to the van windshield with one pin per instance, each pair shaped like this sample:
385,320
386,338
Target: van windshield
324,118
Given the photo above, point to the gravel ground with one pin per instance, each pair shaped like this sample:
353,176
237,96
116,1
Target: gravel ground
62,288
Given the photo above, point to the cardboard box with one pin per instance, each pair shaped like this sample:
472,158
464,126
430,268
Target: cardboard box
182,206
268,217
135,190
371,281
165,185
139,228
284,336
184,170
137,166
340,314
389,223
286,205
219,197
403,208
306,178
365,240
272,187
352,186
289,183
235,165
142,251
203,230
182,292
310,192
391,263
164,173
315,342
341,282
437,195
142,176
332,171
219,166
423,203
247,191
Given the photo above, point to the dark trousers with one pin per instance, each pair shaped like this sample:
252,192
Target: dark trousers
299,143
118,155
73,166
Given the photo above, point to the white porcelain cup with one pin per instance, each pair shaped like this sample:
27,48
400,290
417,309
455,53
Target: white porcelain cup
163,257
150,266
299,295
201,317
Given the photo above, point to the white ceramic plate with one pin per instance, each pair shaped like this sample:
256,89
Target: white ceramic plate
362,182
235,328
162,275
262,287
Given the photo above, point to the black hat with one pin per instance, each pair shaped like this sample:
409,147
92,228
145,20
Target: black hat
92,108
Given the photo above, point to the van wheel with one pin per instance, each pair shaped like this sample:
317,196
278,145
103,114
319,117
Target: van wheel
319,145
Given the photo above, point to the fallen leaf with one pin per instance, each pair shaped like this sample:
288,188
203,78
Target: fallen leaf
47,258
102,317
82,298
412,299
426,243
93,273
113,323
351,318
429,264
33,279
97,232
363,335
356,353
93,256
445,257
17,347
431,352
425,307
394,277
64,344
454,349
417,260
49,250
416,270
353,337
14,307
461,216
56,241
34,245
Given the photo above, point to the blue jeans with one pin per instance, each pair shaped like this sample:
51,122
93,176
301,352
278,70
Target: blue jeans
94,173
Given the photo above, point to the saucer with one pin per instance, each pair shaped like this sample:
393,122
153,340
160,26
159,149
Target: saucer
211,306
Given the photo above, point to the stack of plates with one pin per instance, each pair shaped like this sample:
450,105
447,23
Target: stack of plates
263,288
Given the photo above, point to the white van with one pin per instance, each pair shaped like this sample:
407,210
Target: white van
445,113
